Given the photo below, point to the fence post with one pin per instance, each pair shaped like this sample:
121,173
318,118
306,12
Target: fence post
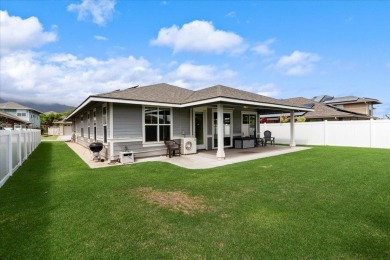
325,132
10,153
19,148
371,131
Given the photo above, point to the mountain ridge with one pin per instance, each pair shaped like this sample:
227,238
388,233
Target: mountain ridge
55,107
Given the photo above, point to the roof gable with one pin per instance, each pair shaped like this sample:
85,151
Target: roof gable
228,92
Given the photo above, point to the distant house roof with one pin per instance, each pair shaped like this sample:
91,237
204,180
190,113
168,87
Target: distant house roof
351,99
13,105
170,95
322,110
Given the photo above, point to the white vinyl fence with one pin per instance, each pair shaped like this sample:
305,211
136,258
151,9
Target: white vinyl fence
359,133
15,147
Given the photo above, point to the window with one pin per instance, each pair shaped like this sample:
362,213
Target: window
104,122
248,124
157,124
82,125
21,114
89,124
94,124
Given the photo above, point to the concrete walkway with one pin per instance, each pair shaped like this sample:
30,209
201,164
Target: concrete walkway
201,160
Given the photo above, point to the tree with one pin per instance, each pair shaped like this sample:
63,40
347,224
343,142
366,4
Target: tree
49,119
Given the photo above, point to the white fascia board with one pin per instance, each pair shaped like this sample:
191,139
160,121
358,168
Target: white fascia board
244,102
191,104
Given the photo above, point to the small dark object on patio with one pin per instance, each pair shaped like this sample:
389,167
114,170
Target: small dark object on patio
172,147
268,138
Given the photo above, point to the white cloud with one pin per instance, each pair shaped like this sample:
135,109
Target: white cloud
199,36
100,10
263,48
195,76
22,34
67,79
100,38
268,89
231,15
297,64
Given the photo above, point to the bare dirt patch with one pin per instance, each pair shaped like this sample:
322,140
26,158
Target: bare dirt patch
173,200
265,166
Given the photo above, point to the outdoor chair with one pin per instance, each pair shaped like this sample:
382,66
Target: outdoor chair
173,148
258,140
268,138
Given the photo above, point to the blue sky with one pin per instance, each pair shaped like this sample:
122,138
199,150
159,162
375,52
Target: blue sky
63,51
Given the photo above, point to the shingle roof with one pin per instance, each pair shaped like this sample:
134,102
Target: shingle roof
321,110
14,105
228,92
165,93
162,93
351,99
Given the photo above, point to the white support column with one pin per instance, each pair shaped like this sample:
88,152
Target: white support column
292,129
220,152
111,122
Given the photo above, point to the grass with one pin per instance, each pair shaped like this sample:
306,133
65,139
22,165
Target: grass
326,202
46,137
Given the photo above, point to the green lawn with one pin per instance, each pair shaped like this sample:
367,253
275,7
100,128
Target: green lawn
49,137
326,202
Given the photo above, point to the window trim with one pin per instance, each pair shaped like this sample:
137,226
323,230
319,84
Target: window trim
82,125
157,143
94,125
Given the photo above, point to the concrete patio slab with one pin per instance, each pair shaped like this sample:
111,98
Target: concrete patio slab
201,160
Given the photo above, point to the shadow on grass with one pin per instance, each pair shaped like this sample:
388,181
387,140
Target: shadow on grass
24,202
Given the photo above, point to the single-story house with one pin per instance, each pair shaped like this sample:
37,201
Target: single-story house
139,119
321,112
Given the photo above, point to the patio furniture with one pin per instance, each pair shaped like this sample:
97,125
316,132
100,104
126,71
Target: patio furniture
244,142
268,138
259,141
172,148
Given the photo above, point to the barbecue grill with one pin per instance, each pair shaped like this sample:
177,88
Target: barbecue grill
95,149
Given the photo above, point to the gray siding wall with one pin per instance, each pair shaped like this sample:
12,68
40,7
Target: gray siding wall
181,121
138,149
127,121
84,141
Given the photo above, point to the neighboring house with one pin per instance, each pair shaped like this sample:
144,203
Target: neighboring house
139,119
8,121
321,112
61,128
350,103
27,114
